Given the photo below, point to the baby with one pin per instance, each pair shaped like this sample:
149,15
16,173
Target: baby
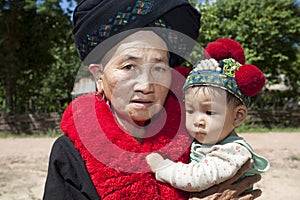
216,96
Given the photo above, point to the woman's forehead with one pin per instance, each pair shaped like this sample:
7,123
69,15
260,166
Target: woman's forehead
141,44
141,40
145,39
140,52
134,46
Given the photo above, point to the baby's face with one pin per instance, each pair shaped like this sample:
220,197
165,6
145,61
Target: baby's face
209,118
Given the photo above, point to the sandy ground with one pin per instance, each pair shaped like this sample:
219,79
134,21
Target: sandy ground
23,166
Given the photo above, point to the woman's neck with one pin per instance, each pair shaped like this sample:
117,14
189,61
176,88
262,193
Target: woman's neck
136,129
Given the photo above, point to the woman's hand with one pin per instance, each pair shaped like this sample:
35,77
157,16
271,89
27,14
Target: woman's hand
228,190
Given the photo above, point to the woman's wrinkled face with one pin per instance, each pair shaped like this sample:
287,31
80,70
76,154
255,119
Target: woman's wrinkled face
137,77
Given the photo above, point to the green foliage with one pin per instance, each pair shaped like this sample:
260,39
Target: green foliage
269,32
267,29
38,56
39,61
193,2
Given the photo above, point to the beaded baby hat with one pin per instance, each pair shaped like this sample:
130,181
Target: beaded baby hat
224,67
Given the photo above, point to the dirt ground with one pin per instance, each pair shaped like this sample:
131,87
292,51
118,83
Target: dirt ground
23,166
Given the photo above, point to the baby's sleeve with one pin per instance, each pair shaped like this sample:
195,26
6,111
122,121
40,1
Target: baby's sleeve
220,164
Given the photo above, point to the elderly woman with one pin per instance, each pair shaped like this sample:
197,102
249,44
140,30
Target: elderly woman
134,111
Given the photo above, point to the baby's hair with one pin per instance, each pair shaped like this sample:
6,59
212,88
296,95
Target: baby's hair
230,98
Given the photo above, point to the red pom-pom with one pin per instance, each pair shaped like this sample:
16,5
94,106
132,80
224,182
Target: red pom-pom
250,79
217,51
234,48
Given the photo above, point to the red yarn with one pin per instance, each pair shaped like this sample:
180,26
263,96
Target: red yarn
236,50
225,48
250,79
216,50
80,122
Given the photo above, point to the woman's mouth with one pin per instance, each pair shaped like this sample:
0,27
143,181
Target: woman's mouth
142,103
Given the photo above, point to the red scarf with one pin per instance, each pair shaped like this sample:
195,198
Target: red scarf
114,159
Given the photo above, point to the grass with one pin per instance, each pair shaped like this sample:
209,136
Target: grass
245,129
49,133
294,158
241,129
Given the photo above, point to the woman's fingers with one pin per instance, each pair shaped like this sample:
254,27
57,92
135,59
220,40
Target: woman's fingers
210,197
251,195
246,183
256,193
231,189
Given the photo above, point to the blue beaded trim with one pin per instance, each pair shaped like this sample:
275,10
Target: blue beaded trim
216,79
142,7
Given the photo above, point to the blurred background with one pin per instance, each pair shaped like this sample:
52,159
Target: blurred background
39,62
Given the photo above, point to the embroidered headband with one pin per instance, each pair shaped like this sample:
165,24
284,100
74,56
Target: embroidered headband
94,21
224,67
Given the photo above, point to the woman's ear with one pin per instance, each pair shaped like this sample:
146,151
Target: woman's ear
240,115
97,71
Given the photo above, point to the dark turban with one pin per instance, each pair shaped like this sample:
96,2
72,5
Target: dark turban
95,21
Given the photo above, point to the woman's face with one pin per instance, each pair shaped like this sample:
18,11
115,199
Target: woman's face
137,77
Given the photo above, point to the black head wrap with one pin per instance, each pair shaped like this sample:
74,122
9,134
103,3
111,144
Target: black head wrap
95,21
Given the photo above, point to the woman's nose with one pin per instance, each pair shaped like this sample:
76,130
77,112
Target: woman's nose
144,83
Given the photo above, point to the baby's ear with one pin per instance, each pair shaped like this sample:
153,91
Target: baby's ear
240,115
97,71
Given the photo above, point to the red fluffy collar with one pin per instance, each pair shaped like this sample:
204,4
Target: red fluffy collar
114,159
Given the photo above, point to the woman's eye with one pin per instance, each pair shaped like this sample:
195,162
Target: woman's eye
128,67
160,68
211,112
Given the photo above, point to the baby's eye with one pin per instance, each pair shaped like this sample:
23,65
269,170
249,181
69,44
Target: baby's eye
189,111
209,112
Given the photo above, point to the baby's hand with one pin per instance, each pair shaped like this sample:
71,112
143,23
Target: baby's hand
153,160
